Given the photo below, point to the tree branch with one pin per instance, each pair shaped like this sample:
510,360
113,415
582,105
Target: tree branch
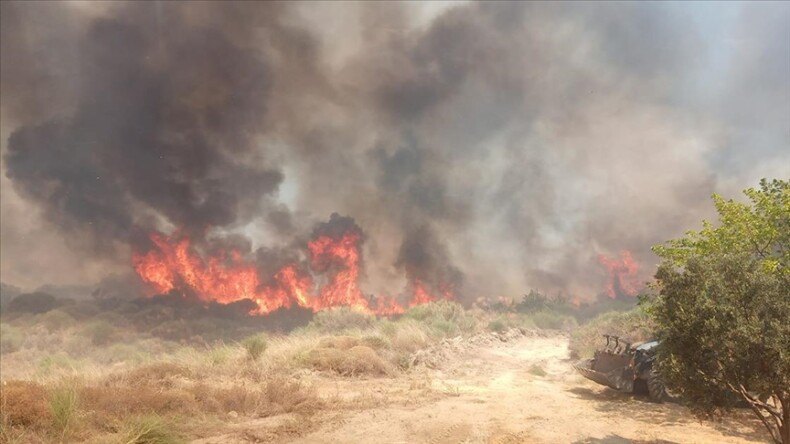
773,431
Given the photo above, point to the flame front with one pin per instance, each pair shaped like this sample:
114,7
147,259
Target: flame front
174,264
341,255
623,274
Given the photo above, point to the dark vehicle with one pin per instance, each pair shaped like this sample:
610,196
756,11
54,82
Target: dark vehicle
626,367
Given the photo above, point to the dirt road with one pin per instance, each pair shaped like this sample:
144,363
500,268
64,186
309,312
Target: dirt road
523,391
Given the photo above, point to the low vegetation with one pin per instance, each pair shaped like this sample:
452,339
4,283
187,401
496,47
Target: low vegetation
255,346
142,372
149,429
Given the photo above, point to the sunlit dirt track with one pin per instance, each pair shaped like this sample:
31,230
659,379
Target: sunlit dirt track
522,391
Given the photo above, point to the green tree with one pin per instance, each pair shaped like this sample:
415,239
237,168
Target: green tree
723,309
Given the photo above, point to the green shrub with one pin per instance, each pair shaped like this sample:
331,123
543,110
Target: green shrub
63,405
443,317
532,302
339,319
57,361
633,326
10,339
37,302
255,346
220,354
101,333
56,320
440,309
120,352
149,429
81,310
537,370
376,342
388,328
551,320
498,325
443,328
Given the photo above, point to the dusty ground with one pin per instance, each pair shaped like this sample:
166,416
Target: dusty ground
492,393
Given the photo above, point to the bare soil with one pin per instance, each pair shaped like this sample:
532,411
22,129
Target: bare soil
520,391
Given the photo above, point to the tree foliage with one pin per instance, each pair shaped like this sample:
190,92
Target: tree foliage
723,309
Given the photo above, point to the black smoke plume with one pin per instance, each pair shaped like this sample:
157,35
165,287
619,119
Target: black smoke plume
491,147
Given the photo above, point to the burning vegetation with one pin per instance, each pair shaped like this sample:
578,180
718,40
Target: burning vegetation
334,258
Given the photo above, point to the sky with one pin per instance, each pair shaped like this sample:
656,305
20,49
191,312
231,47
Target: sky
504,146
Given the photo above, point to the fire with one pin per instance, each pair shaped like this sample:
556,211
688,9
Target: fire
421,294
623,274
331,280
226,278
343,254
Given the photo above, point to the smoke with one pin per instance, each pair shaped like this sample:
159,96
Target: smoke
489,148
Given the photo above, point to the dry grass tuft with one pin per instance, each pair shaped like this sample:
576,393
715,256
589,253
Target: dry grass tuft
237,398
119,402
159,374
284,396
338,342
409,338
24,404
149,429
357,360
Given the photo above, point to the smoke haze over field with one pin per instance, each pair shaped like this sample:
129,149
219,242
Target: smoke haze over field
490,147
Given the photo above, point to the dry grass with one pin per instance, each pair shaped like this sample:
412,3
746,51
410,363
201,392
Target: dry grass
357,360
113,403
338,342
149,429
284,396
409,338
157,374
25,404
138,391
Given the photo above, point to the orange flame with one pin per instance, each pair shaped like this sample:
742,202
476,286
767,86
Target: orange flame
342,289
222,279
623,274
421,294
174,264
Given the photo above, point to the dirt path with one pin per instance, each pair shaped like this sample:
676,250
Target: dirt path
524,391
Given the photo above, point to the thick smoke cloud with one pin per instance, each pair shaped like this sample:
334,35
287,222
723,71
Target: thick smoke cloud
490,147
166,112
